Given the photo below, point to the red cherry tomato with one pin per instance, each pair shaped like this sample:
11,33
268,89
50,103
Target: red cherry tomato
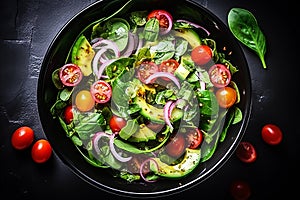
194,138
101,91
226,96
271,134
201,54
22,138
165,19
219,75
246,152
70,74
146,69
168,66
116,123
240,190
176,146
41,151
68,114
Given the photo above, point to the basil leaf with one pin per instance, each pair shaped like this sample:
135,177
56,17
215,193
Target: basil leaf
244,27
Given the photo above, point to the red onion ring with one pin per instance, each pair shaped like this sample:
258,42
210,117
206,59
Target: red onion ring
115,153
167,113
103,66
96,139
194,25
141,169
163,74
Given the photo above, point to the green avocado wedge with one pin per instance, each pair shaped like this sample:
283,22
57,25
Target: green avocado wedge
82,55
188,164
155,114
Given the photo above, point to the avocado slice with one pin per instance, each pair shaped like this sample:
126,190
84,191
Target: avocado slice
188,164
82,55
155,114
144,134
190,35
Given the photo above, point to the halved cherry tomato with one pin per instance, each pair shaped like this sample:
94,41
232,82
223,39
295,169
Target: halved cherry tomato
22,137
41,151
201,54
226,96
240,190
84,101
246,152
165,19
168,66
176,146
101,91
68,114
70,74
116,123
146,69
194,138
219,75
271,134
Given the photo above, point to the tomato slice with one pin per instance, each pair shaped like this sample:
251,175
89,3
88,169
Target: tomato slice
201,54
101,91
176,146
68,114
116,123
194,138
146,69
70,74
219,75
246,152
168,66
165,19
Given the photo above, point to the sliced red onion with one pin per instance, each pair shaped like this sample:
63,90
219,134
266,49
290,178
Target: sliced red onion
202,85
167,113
194,25
130,45
140,44
115,153
163,74
142,167
96,139
107,44
96,60
172,106
103,66
103,45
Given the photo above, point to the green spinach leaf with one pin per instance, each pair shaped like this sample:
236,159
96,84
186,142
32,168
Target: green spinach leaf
245,28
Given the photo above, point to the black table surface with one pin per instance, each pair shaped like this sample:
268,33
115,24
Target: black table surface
29,26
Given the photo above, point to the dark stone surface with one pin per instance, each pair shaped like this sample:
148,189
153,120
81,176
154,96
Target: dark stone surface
27,29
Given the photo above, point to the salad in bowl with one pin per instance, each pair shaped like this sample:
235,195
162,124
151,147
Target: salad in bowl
148,94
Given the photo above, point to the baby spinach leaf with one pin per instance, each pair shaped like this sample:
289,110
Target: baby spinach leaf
245,28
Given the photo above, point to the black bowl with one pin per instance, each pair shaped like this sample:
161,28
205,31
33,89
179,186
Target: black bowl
102,178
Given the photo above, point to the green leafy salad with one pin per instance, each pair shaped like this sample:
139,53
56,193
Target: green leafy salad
146,95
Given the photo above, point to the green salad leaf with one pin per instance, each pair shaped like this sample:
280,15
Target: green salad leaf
245,28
